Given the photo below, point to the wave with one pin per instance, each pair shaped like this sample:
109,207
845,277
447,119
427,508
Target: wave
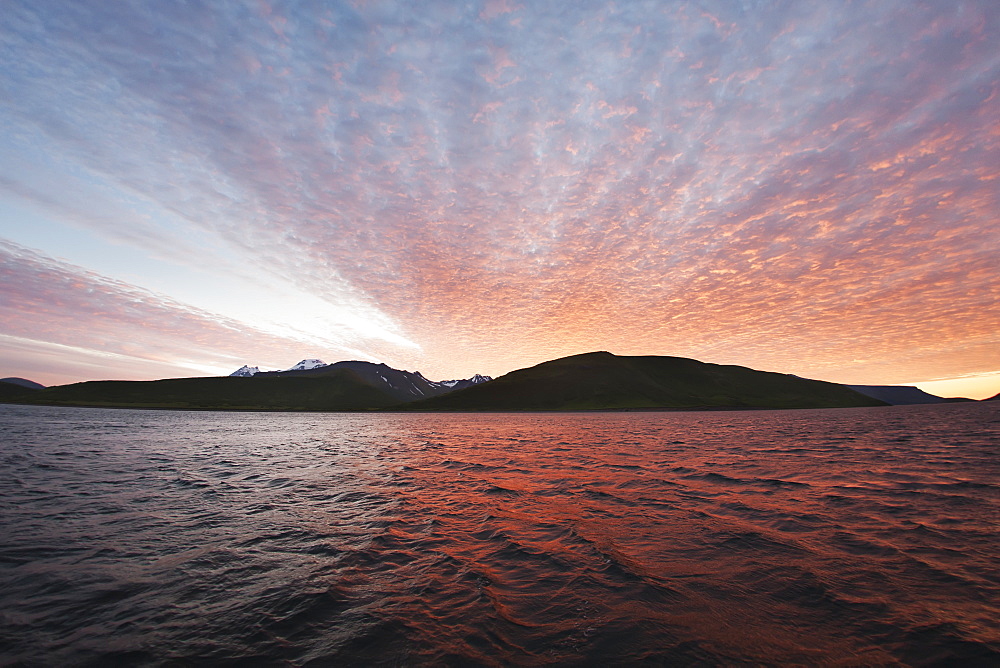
816,537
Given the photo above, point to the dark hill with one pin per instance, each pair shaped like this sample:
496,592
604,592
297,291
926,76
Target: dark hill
339,391
898,395
402,386
14,389
595,381
23,382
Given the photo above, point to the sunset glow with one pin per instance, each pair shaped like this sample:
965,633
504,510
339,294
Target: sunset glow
461,188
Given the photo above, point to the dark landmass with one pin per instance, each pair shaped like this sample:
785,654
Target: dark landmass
898,395
402,386
603,381
23,382
13,389
341,390
995,397
591,381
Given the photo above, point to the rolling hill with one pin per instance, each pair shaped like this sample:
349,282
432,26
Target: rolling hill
342,390
603,381
14,389
898,395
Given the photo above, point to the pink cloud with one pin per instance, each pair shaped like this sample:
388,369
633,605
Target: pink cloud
50,306
782,190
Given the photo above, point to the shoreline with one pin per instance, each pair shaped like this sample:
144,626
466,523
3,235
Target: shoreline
663,409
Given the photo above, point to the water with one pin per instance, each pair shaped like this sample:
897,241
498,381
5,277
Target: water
858,536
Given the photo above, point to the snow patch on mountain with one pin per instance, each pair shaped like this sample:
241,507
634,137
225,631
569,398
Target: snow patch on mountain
305,365
246,371
464,382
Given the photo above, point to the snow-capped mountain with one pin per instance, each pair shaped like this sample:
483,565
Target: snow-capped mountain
305,365
463,383
401,385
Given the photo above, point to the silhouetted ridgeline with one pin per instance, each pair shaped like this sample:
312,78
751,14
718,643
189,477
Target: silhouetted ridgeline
897,395
342,391
603,381
401,386
13,389
904,395
591,381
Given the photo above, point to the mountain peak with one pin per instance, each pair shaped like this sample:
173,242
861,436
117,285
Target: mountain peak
246,371
307,364
463,383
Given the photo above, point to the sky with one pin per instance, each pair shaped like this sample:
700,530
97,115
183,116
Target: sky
476,187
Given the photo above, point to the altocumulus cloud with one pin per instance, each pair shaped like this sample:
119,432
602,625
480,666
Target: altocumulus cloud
781,186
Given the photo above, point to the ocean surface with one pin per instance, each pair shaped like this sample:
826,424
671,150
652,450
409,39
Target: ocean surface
835,537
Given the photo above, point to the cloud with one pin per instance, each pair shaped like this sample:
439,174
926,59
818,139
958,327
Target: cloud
779,187
50,305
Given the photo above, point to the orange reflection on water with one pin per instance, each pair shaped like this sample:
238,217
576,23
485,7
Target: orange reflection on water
765,536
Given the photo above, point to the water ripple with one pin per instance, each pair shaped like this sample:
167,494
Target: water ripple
859,536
